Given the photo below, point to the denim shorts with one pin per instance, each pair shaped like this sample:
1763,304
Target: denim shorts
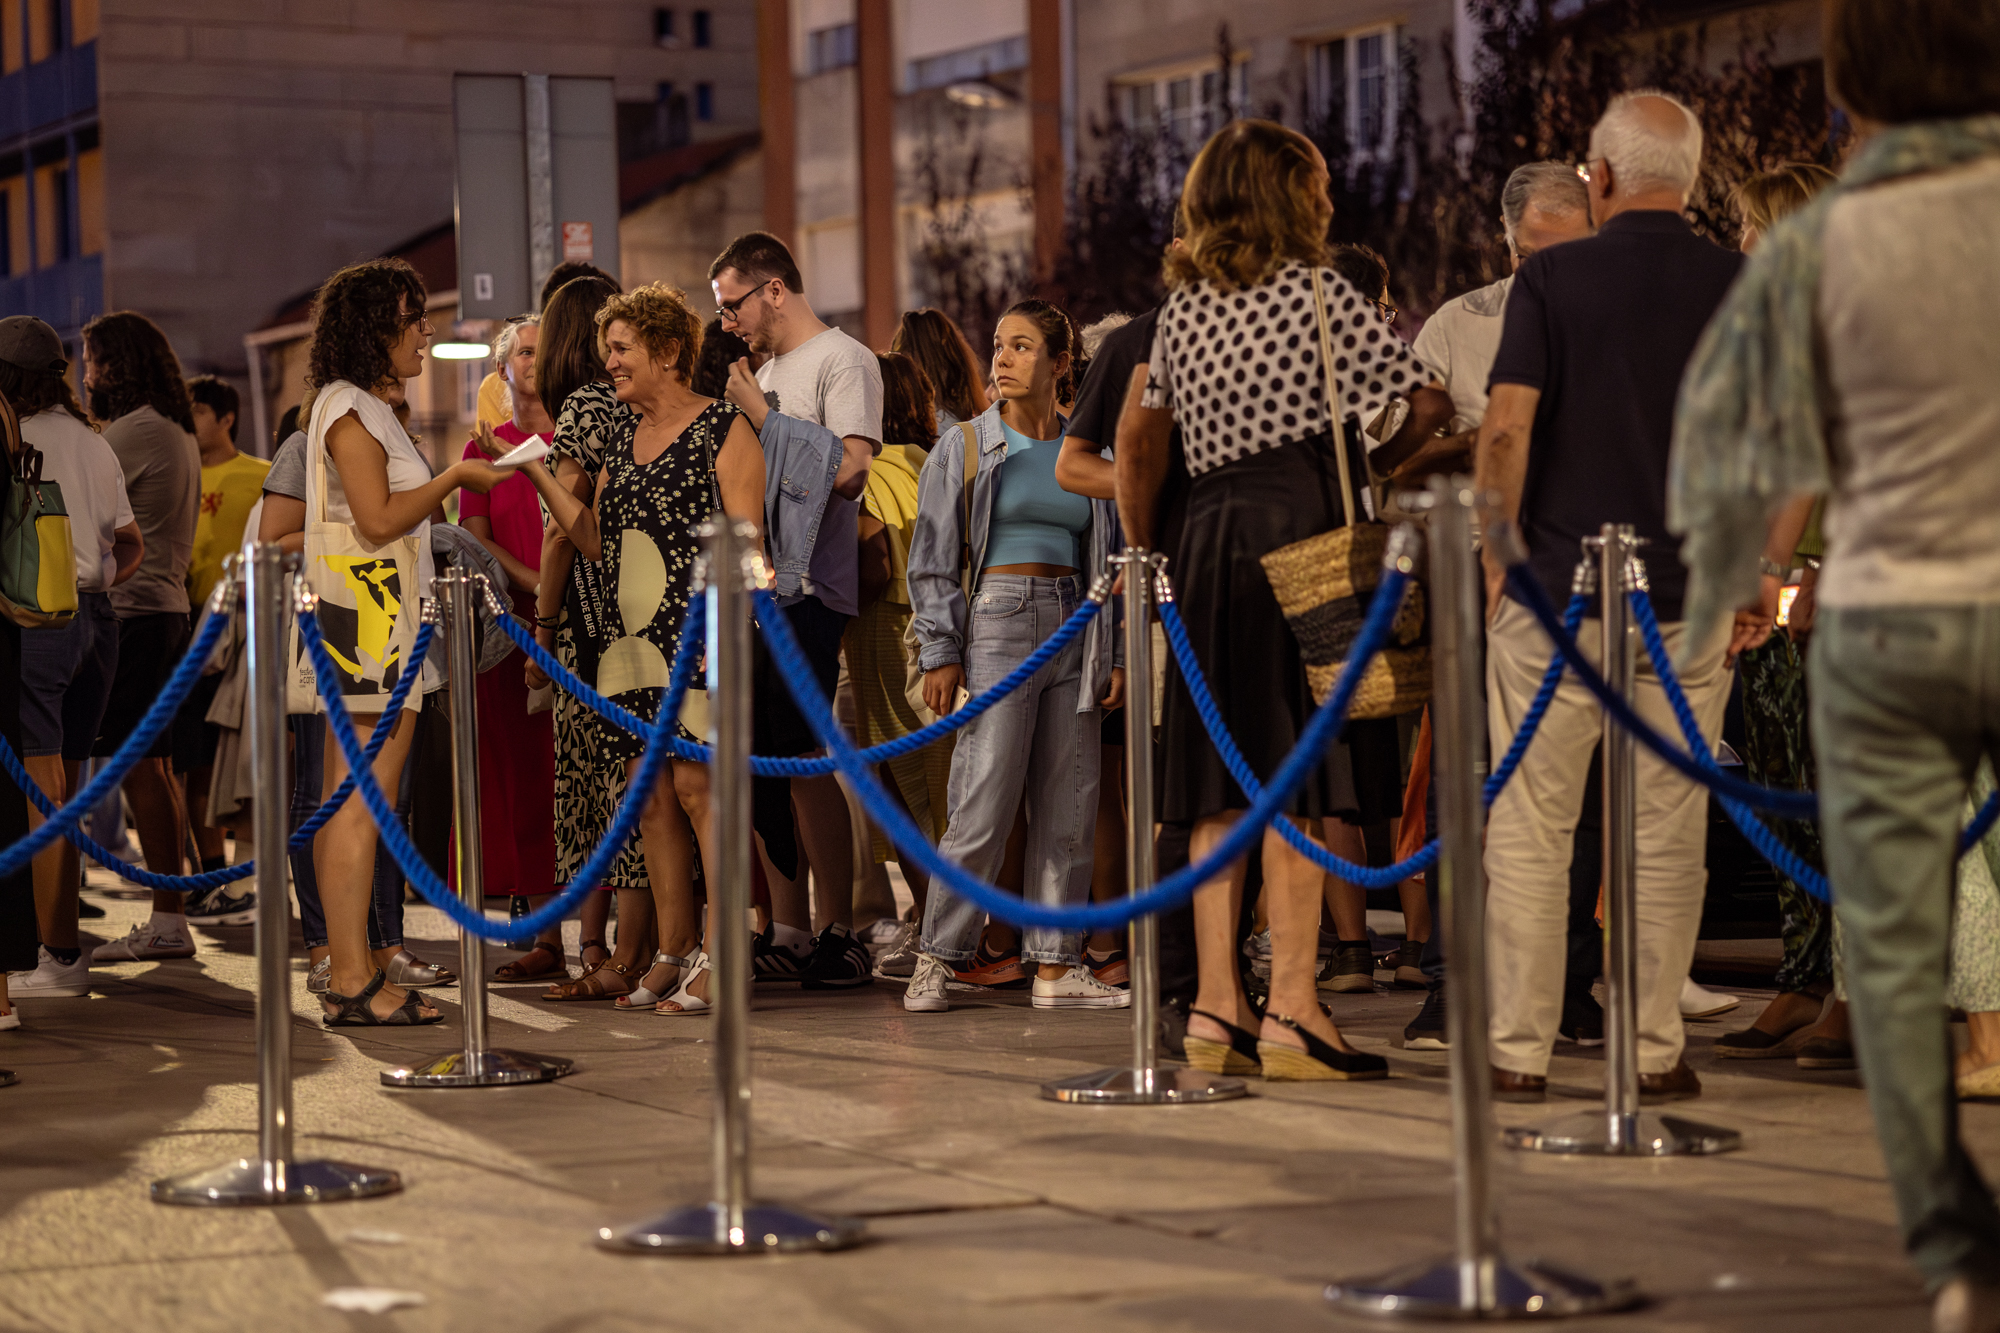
66,676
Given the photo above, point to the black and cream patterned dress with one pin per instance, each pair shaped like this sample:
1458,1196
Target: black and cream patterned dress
648,513
590,771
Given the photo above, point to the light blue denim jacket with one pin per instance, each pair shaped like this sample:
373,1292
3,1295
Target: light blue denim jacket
801,460
937,600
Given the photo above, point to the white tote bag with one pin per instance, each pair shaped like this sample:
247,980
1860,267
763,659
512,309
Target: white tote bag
369,596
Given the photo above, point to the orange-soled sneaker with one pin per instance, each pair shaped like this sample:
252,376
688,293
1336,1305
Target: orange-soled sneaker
991,969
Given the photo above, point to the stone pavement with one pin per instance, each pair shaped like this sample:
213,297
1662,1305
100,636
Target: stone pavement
990,1209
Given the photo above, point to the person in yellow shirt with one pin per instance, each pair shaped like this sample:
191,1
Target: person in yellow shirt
231,484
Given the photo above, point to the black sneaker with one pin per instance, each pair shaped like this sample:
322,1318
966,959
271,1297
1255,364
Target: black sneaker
1353,969
1582,1021
770,961
217,907
1426,1031
840,961
88,910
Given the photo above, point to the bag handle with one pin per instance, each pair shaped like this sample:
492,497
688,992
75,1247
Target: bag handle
1331,384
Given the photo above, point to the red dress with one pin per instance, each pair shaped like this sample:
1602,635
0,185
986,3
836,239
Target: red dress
517,748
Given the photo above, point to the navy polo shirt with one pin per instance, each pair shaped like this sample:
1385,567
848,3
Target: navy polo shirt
1604,328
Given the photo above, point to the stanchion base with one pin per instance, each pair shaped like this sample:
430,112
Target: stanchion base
1588,1134
701,1229
1138,1087
487,1069
1505,1291
247,1182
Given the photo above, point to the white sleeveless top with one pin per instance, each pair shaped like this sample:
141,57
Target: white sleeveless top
407,469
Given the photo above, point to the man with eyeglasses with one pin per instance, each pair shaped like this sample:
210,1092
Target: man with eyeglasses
814,386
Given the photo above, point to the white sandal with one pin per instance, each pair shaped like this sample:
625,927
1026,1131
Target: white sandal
639,997
689,1004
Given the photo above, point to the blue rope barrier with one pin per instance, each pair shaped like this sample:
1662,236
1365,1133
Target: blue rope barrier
1176,888
778,767
419,872
302,836
1793,805
1368,877
63,822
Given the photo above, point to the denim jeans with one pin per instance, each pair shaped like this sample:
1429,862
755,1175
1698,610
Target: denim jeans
385,911
1905,701
1034,742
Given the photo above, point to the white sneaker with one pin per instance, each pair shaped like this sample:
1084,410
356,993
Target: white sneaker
50,980
1077,989
143,944
1700,1002
899,960
926,992
10,1020
1965,1306
882,930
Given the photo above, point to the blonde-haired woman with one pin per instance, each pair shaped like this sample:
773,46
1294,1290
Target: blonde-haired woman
1236,362
678,458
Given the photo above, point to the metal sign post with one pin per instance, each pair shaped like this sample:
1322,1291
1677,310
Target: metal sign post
1621,1129
272,1177
729,1223
1144,1083
1477,1281
475,1064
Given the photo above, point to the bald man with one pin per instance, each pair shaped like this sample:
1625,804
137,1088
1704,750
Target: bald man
1576,434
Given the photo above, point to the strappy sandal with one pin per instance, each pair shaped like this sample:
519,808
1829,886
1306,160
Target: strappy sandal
518,970
1236,1056
642,996
592,985
353,1011
1319,1060
687,1004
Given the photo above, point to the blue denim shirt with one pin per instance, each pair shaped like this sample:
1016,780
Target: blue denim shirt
800,462
938,610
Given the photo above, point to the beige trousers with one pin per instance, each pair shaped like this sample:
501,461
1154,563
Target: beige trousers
1530,830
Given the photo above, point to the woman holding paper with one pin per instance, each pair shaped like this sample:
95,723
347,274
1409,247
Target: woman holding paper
517,747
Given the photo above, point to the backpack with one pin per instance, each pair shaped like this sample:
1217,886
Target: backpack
37,556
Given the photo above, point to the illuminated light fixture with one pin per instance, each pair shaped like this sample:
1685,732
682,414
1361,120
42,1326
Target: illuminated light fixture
980,95
455,351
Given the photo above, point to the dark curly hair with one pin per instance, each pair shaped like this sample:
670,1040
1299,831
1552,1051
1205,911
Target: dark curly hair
359,314
132,365
659,317
31,391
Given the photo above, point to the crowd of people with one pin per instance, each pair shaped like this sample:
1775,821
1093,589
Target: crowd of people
932,513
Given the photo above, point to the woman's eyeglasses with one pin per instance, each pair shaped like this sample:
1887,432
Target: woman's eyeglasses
1387,311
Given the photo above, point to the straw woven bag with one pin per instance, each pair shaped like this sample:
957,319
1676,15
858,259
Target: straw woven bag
1324,584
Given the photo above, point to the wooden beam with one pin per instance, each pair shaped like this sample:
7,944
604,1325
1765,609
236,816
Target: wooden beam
1045,148
778,113
876,134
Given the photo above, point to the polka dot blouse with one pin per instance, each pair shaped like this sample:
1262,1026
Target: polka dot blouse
1240,370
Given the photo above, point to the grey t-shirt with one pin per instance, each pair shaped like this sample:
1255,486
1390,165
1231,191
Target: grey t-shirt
162,466
832,381
287,476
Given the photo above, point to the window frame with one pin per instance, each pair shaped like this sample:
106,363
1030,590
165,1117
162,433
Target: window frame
1321,87
1146,101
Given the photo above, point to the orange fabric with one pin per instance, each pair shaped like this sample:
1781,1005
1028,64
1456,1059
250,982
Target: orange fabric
1416,794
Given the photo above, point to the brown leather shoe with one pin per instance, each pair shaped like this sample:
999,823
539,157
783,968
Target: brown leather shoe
1678,1084
1509,1086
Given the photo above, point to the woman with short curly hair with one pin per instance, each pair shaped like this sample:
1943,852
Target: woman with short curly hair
368,339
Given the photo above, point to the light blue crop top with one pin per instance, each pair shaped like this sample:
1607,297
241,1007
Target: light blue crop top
1035,521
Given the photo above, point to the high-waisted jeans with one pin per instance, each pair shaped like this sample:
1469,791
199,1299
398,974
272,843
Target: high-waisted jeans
385,910
1034,742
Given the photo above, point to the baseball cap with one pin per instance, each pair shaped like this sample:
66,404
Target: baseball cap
32,345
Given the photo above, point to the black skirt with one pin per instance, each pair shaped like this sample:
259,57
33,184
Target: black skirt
1237,513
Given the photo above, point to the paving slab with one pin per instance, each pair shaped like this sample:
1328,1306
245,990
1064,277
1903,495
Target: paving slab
986,1206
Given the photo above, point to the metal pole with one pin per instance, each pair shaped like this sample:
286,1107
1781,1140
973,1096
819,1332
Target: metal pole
272,1177
538,133
1144,1083
1623,1129
1476,1281
730,1223
474,1065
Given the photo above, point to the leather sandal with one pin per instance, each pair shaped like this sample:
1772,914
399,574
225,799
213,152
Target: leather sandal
525,968
684,1002
354,1011
642,996
594,984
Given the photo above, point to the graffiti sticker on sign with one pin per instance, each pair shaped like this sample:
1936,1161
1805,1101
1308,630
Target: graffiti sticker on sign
577,246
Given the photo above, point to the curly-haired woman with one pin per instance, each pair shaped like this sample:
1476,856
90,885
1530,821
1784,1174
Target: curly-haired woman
680,458
368,338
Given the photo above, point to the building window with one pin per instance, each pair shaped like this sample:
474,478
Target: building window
90,227
52,215
704,101
703,34
974,62
663,28
82,21
9,192
1189,106
45,25
831,48
1353,85
11,56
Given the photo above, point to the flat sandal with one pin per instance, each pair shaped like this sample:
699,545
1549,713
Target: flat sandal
354,1011
589,987
643,997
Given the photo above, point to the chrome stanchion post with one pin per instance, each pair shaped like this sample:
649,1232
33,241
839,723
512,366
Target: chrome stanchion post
730,1223
474,1064
1476,1281
1623,1129
272,1177
1144,1083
